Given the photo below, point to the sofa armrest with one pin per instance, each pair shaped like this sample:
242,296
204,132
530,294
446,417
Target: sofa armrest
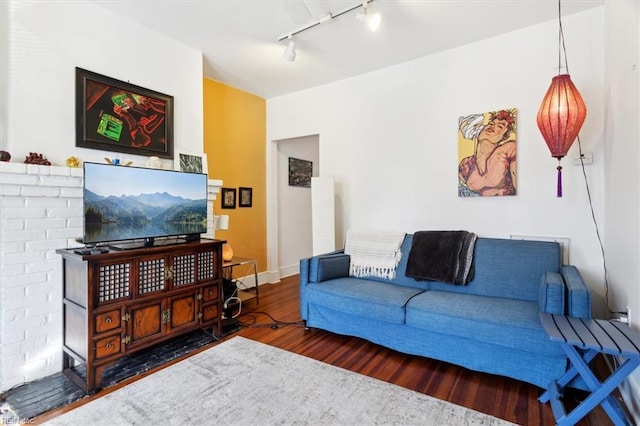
578,294
551,294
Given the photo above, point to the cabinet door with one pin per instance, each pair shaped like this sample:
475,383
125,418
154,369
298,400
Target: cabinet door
146,323
153,273
184,312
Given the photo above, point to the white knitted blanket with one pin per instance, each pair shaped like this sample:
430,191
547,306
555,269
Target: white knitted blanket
373,253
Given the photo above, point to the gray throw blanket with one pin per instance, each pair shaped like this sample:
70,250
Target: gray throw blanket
445,256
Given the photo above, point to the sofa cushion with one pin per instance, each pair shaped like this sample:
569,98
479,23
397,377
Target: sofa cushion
370,299
510,269
510,323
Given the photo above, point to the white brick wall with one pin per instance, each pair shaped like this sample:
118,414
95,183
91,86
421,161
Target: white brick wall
40,211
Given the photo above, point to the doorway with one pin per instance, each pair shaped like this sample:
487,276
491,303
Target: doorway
294,204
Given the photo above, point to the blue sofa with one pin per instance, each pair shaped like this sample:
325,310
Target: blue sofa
490,325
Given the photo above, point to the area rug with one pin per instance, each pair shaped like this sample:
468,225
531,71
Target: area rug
242,382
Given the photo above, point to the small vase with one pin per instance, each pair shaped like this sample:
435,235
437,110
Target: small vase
154,163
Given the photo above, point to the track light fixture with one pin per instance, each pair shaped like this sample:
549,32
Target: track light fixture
372,20
289,53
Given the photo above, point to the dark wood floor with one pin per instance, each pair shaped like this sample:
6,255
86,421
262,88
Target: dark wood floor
276,321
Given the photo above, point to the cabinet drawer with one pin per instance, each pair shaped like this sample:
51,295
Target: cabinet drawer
107,346
210,293
210,312
107,321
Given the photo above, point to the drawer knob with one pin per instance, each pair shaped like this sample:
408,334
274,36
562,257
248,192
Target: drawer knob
108,345
108,320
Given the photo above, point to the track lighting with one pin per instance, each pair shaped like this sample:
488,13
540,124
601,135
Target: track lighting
372,20
289,53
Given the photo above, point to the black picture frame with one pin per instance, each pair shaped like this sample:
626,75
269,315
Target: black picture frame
245,197
228,198
300,172
114,115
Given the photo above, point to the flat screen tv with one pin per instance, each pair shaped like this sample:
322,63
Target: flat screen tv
130,207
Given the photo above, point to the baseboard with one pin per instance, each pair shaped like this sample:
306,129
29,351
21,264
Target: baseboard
270,277
287,271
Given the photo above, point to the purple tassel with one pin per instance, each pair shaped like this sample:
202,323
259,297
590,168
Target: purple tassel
559,181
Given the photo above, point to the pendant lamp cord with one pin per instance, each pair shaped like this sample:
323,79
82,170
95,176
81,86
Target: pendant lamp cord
562,49
597,229
561,46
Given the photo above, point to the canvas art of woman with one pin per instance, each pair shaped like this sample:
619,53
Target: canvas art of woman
491,170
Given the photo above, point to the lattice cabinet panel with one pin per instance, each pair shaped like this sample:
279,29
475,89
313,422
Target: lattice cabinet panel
206,265
184,270
113,281
151,275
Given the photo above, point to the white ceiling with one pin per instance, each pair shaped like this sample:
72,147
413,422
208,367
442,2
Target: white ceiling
238,38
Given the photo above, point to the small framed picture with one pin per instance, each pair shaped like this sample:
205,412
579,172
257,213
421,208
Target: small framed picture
190,162
245,198
228,198
300,172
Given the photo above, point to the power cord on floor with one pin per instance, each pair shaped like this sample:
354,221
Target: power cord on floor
275,323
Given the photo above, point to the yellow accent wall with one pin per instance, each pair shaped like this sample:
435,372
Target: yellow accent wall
235,132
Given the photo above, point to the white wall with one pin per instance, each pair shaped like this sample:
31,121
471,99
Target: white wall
622,178
42,43
389,139
294,204
623,155
47,40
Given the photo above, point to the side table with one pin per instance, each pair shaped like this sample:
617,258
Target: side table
228,266
582,339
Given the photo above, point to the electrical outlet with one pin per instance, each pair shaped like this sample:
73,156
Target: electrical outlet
585,158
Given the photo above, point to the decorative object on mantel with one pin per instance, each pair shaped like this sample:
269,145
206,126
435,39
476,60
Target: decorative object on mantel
73,162
563,111
191,162
154,162
116,162
35,158
5,156
114,115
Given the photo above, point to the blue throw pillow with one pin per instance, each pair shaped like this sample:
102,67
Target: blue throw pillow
328,267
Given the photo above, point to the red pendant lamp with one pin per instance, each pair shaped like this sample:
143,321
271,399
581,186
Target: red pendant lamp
562,113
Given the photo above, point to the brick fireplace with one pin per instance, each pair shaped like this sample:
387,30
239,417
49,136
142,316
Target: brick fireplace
40,211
